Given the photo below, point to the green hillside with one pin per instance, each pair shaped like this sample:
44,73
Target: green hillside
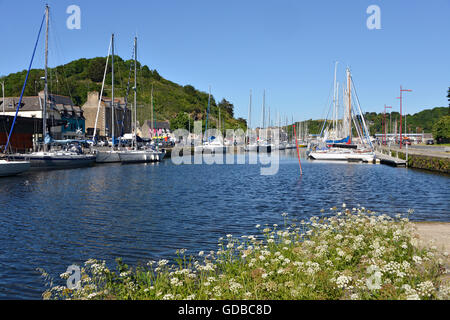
422,121
171,101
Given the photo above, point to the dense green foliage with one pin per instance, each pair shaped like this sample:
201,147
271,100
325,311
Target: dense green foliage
77,78
420,122
441,130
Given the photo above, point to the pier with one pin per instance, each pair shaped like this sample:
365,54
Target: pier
419,157
389,160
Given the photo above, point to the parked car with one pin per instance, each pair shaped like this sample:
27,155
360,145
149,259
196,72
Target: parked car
430,141
406,142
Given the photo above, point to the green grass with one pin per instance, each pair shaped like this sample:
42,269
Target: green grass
353,254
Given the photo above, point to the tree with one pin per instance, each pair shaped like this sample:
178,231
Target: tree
448,98
96,69
441,130
181,121
156,75
189,89
227,106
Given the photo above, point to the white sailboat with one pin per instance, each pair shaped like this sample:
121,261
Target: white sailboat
211,144
337,141
52,159
291,144
139,155
250,144
263,144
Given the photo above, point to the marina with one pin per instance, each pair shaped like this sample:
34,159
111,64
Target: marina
144,212
149,174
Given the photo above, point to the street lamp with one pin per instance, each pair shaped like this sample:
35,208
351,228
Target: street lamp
401,91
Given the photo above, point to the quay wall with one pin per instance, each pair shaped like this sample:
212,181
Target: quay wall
432,162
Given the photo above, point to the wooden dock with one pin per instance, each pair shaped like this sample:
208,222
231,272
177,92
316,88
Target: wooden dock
385,159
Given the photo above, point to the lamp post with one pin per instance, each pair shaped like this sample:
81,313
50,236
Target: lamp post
401,91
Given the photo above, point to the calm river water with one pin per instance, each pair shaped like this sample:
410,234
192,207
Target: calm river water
140,212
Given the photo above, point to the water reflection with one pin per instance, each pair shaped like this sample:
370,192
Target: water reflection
141,212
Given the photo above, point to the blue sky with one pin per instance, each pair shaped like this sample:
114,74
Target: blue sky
287,47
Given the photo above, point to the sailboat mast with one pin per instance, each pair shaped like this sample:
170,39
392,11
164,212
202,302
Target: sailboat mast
334,100
337,110
207,112
349,106
151,102
263,110
135,89
112,90
44,109
249,116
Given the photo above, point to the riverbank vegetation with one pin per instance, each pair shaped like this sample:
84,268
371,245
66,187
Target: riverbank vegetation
341,254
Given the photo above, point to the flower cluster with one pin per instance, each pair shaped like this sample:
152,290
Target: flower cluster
349,254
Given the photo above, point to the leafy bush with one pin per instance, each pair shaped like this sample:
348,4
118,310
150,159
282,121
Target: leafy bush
441,130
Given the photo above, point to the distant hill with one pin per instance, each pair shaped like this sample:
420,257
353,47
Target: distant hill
77,78
422,121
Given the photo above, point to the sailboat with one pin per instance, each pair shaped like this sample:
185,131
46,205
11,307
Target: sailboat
263,144
291,144
11,166
111,155
139,155
303,134
53,159
337,141
250,145
210,144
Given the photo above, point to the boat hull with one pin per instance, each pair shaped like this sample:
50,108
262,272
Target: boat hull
12,168
56,160
251,147
210,149
107,157
265,148
141,156
344,156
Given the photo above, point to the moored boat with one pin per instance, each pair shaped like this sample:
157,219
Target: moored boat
13,167
56,159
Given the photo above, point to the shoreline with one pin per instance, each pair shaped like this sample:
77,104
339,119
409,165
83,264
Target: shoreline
357,255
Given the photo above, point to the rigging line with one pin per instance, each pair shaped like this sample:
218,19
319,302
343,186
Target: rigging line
142,85
361,112
118,65
101,92
327,105
24,85
127,93
59,55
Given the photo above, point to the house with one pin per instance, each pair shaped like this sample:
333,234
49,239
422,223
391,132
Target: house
122,115
160,127
64,120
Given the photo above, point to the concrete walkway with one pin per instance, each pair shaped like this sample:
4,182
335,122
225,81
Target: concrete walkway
440,233
437,231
